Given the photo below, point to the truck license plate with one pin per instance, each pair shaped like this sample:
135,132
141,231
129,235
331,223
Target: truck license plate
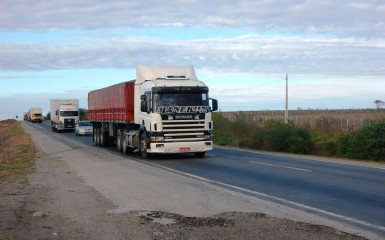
184,149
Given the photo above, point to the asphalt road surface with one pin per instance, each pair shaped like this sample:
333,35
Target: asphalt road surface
343,191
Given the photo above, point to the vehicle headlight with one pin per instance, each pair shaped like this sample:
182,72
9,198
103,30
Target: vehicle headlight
157,139
207,137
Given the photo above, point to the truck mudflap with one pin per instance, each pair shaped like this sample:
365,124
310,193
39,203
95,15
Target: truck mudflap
180,147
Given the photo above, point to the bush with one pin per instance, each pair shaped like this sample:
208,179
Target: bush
221,133
286,138
366,143
239,133
264,135
332,145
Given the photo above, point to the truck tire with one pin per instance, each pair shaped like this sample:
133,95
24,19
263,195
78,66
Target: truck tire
125,148
97,137
94,135
143,146
119,140
102,140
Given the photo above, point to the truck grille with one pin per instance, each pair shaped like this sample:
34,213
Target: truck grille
183,130
69,123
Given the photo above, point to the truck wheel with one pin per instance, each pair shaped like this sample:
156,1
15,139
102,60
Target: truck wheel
94,135
101,137
143,146
97,137
124,145
119,140
199,154
126,149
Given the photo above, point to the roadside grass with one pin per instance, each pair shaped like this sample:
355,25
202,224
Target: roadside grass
17,151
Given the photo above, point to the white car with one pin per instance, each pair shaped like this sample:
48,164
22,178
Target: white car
83,128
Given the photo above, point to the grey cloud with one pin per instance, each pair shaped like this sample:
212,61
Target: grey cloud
250,53
328,16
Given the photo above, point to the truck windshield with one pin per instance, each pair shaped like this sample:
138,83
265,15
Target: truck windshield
180,102
69,113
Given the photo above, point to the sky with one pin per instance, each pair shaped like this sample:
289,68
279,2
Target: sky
333,52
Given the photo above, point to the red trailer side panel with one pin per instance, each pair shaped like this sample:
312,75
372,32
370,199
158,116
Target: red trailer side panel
112,104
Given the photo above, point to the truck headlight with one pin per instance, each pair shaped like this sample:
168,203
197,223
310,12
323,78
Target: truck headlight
157,139
207,137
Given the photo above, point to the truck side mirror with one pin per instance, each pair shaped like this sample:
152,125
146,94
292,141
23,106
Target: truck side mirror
144,103
214,105
143,106
56,112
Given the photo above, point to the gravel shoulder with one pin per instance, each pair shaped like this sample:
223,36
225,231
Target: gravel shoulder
53,202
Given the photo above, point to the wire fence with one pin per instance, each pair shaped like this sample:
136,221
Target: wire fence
330,121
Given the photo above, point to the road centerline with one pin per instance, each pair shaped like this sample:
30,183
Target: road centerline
281,166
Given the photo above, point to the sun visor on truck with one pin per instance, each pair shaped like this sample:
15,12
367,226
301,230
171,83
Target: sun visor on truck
144,73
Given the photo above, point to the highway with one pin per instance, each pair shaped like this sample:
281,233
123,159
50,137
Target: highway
341,191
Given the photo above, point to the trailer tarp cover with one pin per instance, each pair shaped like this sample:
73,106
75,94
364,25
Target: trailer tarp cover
113,103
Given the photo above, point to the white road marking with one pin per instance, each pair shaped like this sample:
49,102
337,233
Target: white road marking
268,164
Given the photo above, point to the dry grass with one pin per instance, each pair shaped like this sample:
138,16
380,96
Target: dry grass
17,151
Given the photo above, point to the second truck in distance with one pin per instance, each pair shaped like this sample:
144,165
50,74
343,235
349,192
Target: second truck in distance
164,110
35,115
64,114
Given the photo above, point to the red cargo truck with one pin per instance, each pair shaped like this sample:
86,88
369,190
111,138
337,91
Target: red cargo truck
164,110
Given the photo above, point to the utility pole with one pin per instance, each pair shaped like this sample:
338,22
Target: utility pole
286,103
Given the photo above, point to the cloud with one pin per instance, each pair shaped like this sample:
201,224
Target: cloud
244,53
349,18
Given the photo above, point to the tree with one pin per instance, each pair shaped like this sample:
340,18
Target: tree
83,114
379,103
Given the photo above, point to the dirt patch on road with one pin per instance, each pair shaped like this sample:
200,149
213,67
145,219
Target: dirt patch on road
53,202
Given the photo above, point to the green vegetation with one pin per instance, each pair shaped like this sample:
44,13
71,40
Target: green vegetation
366,143
17,151
83,114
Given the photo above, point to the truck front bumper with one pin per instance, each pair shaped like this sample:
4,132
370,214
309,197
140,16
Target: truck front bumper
180,147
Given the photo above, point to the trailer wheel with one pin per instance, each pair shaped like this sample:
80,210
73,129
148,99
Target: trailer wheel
102,141
119,140
97,137
94,135
100,135
143,146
